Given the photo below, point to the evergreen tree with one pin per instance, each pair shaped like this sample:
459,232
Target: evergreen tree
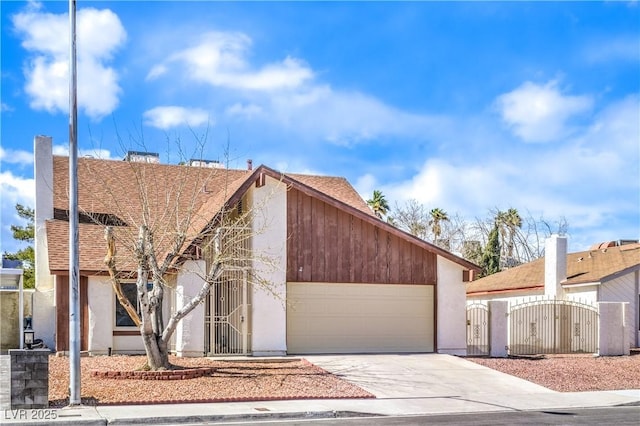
27,254
491,256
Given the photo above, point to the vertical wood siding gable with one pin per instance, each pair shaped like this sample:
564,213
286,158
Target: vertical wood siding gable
325,244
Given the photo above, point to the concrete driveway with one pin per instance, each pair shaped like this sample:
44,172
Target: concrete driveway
435,383
423,376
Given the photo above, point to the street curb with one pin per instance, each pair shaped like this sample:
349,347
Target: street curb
303,415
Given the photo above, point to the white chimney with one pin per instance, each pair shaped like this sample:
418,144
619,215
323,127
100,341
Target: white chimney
43,299
43,174
555,265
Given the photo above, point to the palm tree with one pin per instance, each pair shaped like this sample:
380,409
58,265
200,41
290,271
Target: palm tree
378,204
437,216
508,223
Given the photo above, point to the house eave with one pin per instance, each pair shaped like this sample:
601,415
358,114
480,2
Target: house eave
582,284
504,291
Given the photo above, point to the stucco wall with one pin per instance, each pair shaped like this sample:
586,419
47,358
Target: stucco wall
101,302
624,289
269,321
451,306
190,331
44,322
101,326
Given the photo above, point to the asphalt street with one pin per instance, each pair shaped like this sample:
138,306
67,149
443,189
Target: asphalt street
583,416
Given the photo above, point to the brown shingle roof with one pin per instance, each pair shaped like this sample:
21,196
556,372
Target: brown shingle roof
92,246
591,266
114,187
336,187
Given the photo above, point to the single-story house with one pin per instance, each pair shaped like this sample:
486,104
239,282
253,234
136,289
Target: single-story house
340,279
607,272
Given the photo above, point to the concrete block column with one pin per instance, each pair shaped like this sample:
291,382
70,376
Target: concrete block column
613,338
498,328
29,378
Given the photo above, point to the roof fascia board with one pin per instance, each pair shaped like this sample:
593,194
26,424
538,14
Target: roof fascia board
620,273
584,284
504,291
233,198
606,278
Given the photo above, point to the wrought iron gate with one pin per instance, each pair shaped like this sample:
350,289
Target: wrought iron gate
227,315
553,326
477,329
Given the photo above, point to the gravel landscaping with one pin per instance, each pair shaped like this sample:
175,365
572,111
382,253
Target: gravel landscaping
249,380
258,380
567,373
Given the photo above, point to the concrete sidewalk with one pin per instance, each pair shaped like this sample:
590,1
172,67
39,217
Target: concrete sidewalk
403,385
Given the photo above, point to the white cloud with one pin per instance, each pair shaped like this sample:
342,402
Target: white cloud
286,96
14,190
539,113
220,59
365,185
166,117
589,179
5,107
12,156
347,118
614,49
156,72
46,35
244,110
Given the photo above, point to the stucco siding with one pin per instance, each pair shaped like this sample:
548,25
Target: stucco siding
101,312
190,331
451,312
624,289
268,244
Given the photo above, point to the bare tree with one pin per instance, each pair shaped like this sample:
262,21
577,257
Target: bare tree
174,213
525,242
412,217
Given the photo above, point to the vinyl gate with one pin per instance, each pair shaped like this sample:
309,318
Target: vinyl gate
227,315
477,329
553,327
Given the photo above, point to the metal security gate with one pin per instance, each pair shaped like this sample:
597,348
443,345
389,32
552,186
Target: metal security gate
227,315
477,329
553,326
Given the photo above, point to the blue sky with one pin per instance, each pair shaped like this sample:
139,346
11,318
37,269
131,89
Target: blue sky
462,106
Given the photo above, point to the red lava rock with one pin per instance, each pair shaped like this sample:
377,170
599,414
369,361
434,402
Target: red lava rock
196,380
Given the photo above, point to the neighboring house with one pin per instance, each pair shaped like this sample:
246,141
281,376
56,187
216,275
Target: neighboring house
605,273
343,280
15,305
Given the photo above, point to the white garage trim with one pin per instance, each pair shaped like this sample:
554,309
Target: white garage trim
359,318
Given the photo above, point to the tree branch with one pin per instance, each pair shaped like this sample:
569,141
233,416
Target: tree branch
110,261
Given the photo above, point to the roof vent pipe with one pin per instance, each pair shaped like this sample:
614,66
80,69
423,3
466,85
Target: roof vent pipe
249,164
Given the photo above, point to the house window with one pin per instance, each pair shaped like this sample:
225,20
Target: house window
123,319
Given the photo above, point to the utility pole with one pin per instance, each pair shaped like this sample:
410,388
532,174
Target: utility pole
74,263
